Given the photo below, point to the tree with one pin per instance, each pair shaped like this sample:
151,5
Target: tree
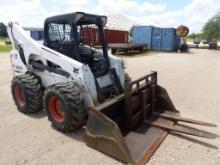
211,29
3,31
192,36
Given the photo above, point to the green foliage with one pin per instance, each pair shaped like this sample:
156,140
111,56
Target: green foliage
5,48
211,30
193,36
3,31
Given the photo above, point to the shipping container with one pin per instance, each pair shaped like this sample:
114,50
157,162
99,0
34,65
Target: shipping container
164,39
142,35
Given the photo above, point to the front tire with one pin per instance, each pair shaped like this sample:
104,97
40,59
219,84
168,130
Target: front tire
64,106
27,93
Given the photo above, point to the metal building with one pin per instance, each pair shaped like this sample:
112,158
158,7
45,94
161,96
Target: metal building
36,33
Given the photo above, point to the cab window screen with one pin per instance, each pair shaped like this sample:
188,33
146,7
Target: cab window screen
59,32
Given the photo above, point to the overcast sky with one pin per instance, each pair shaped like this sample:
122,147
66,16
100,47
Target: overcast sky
164,13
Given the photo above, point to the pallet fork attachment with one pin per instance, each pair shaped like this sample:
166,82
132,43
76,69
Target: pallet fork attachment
132,126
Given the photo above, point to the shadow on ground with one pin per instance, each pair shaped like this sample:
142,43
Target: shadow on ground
38,115
76,135
195,140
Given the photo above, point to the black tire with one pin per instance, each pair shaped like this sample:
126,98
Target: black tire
27,93
114,51
141,50
64,106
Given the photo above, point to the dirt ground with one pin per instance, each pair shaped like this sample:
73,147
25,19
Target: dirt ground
192,81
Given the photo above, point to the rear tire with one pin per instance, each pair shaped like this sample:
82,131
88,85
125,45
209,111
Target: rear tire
27,93
64,106
114,51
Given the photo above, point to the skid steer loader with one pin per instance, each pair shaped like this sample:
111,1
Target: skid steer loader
78,83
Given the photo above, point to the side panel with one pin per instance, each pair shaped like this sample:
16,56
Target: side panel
168,39
18,67
116,36
112,36
177,42
118,63
142,35
156,38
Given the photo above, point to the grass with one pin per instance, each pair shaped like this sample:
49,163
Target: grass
5,48
4,39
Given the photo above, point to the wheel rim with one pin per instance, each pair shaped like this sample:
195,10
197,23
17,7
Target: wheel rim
19,95
56,109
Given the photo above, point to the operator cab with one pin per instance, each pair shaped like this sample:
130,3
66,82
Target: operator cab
75,35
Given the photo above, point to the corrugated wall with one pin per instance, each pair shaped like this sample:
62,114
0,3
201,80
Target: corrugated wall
156,38
90,36
117,36
168,39
142,35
